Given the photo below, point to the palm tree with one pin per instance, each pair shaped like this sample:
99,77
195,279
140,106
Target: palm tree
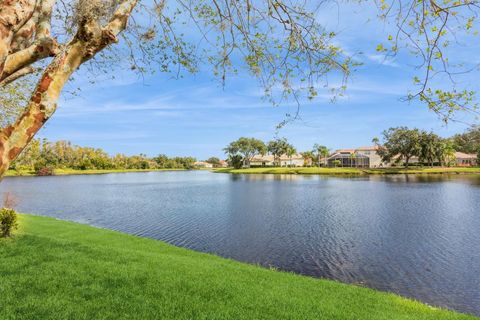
308,157
290,152
448,152
321,152
353,156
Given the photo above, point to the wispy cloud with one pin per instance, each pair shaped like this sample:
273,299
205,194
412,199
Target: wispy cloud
383,60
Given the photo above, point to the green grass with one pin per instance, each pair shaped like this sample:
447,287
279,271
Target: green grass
19,173
54,269
62,172
353,171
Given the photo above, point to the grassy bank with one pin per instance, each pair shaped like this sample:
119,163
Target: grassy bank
60,270
353,171
62,172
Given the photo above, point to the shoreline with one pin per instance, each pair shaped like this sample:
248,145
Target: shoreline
68,172
271,170
117,270
352,171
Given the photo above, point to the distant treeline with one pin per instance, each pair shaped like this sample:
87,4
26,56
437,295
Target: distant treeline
43,155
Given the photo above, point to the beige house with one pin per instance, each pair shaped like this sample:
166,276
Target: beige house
465,159
367,157
295,160
363,157
202,164
262,161
375,161
223,164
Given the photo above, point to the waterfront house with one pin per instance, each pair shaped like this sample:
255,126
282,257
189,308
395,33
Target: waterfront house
367,157
295,160
262,161
223,164
203,164
362,157
345,158
465,159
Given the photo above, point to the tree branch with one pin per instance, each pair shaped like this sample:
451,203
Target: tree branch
40,49
13,15
25,54
119,20
17,75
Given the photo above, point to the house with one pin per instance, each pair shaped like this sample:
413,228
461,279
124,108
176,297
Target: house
465,159
367,157
295,160
375,161
348,158
202,164
363,157
223,164
262,161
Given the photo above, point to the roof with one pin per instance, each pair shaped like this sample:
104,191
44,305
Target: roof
365,148
344,151
260,158
295,156
368,148
339,155
198,163
461,155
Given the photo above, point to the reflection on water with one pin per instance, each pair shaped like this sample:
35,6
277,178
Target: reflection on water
416,235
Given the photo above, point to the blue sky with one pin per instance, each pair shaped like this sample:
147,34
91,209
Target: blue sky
196,116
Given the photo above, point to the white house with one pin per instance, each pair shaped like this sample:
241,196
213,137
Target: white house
295,160
203,164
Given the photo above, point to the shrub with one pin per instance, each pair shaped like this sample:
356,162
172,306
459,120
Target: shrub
235,161
8,222
45,171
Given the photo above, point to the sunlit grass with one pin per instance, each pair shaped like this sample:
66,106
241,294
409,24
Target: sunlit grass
61,270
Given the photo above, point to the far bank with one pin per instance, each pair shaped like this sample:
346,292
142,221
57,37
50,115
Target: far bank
352,171
63,172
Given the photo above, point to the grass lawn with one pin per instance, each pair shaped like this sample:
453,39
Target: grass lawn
61,270
62,172
353,171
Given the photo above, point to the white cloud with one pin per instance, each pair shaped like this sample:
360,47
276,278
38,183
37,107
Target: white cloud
383,60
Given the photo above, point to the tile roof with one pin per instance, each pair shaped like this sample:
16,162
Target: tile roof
461,155
368,148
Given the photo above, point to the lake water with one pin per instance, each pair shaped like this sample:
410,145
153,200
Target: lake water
418,236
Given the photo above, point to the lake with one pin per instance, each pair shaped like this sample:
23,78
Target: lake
418,236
